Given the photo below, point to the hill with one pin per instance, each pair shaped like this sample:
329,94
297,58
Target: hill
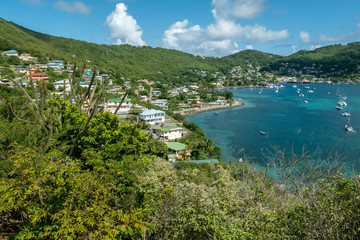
330,61
123,60
256,58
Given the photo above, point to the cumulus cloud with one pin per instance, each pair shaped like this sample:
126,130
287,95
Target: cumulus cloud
230,9
351,36
123,27
74,7
305,37
220,36
293,47
315,47
249,47
194,39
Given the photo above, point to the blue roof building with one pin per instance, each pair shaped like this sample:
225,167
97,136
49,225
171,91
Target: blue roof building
153,116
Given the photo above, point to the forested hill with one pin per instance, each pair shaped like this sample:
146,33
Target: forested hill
330,61
125,60
165,64
254,57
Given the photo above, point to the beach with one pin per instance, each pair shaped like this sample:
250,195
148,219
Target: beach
209,108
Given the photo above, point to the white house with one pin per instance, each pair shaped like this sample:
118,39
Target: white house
169,133
60,84
160,102
153,116
11,53
113,103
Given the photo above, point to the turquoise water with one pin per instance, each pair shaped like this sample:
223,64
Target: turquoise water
290,123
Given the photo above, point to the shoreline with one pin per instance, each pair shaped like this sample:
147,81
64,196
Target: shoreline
210,108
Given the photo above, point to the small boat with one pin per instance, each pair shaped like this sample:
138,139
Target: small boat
345,114
262,133
339,107
349,128
342,103
306,101
301,95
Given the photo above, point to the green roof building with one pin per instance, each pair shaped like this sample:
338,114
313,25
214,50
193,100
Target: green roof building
169,133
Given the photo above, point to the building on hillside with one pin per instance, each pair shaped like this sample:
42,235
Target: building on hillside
11,53
143,98
60,84
27,57
153,116
39,77
55,65
177,148
161,103
113,103
6,82
22,70
169,133
212,161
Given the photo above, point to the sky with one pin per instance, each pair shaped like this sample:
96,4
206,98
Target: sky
202,27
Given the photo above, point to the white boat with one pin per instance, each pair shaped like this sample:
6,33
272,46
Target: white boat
349,128
305,101
342,103
345,114
339,107
310,91
301,95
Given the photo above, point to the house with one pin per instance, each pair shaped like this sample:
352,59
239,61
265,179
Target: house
11,53
22,70
55,65
169,133
208,161
143,98
153,116
113,103
161,103
39,77
27,57
176,148
60,84
6,82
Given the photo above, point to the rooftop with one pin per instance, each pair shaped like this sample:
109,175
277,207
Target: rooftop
209,161
151,112
176,146
168,129
118,100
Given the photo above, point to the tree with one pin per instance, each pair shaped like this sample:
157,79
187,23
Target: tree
228,95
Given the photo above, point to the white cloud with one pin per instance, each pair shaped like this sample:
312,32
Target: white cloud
249,47
220,37
293,48
74,7
259,34
343,37
305,37
194,39
230,9
315,47
123,27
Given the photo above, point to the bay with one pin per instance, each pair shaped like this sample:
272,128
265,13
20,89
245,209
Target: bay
290,124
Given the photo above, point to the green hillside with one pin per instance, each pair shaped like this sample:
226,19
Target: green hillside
335,60
123,60
254,57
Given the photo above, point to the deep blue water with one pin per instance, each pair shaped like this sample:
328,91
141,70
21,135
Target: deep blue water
290,123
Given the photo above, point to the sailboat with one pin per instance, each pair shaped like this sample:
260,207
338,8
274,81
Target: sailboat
348,127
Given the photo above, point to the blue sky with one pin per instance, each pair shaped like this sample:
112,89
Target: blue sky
202,27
